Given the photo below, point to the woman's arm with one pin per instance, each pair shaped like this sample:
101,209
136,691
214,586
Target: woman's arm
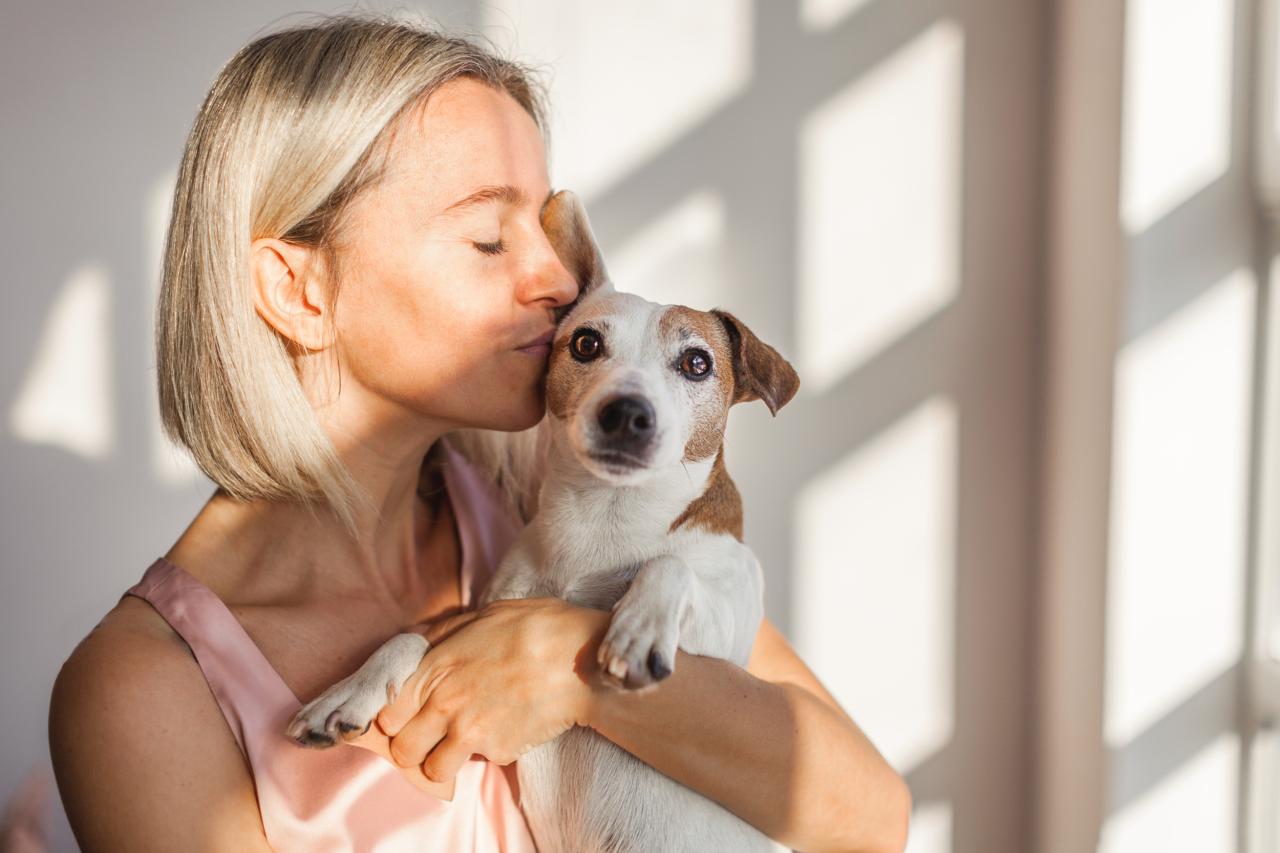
768,743
143,757
775,750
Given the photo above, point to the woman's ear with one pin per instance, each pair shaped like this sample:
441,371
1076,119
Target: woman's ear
287,294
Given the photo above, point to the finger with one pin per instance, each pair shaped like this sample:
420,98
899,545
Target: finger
446,759
419,736
413,694
374,741
394,717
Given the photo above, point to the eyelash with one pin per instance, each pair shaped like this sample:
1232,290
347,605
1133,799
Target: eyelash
491,248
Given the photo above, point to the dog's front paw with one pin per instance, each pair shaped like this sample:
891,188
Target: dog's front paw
639,648
348,708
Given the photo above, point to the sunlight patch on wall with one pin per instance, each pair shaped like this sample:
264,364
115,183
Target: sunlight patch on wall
1177,104
66,398
677,259
824,14
930,830
170,463
1178,513
879,227
1193,808
629,78
874,583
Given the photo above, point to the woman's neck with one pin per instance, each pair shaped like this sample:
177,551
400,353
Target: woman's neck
281,551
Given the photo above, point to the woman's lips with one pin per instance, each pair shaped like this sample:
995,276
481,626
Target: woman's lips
539,347
537,351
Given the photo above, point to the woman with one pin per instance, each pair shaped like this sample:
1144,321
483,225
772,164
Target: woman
404,172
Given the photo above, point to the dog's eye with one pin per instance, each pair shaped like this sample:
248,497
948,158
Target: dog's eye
695,364
586,345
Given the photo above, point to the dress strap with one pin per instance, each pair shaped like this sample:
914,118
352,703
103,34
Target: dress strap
242,680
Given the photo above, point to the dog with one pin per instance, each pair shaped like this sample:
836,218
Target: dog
636,514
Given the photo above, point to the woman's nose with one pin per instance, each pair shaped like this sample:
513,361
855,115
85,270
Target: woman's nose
547,278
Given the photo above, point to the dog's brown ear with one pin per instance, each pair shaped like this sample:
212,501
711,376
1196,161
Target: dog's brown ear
759,371
564,220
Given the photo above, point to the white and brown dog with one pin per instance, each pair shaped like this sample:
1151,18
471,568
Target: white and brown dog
636,513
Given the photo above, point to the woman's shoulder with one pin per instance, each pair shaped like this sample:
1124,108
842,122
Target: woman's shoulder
134,732
131,667
124,660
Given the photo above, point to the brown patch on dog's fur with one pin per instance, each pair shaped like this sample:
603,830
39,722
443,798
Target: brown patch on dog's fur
709,411
719,508
561,377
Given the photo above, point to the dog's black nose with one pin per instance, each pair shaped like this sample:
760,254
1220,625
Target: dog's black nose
628,420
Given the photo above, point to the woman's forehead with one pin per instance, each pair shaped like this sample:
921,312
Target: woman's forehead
466,136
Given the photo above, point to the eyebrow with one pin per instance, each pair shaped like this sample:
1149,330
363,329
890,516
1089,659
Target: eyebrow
505,193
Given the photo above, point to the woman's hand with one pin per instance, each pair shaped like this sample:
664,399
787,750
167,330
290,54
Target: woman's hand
496,682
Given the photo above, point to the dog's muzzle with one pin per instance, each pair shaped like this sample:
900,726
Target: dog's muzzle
627,426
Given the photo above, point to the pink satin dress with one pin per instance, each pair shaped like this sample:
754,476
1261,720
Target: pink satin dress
347,798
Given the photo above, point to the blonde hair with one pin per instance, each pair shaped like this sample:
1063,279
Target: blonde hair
295,127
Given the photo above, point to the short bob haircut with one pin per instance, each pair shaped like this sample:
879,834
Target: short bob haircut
294,128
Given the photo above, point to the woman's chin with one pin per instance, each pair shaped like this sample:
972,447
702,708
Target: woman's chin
529,419
515,419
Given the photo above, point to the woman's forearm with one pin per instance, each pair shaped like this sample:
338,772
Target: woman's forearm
773,754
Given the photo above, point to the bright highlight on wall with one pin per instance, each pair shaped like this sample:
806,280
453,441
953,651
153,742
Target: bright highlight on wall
873,593
879,227
66,398
1177,104
1175,594
930,830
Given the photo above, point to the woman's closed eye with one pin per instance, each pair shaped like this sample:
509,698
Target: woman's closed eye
495,248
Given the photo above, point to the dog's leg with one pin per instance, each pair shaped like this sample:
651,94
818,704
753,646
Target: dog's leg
726,603
351,704
514,577
640,646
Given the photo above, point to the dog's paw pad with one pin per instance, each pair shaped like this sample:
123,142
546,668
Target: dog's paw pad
316,737
308,737
638,649
348,728
345,710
